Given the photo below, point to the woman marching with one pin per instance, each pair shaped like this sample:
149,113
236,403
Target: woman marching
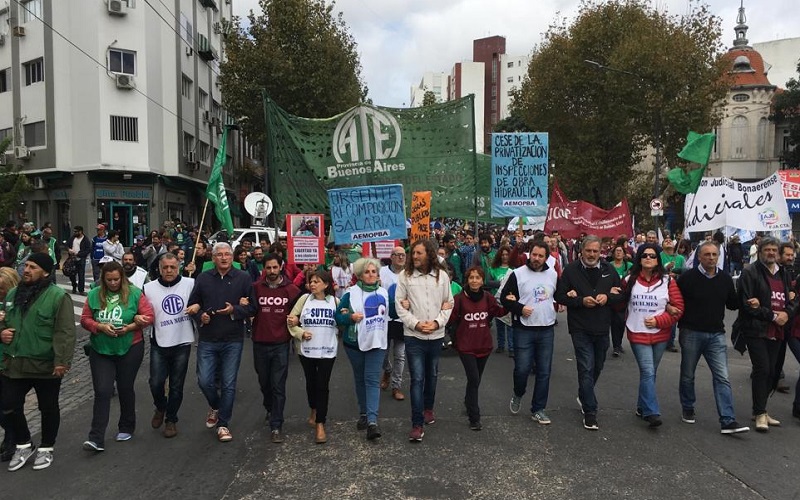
312,323
472,315
650,291
114,314
500,268
619,261
364,310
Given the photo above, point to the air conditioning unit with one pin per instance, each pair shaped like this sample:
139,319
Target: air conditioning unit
2,39
191,158
117,7
21,153
206,116
38,183
189,51
18,31
125,82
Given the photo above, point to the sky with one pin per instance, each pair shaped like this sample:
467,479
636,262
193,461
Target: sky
399,40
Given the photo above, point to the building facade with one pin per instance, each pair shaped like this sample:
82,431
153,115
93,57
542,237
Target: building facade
114,108
433,82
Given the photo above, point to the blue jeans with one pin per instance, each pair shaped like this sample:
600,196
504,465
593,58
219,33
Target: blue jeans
713,347
168,363
533,346
226,356
272,367
648,356
423,365
504,332
367,369
590,356
794,345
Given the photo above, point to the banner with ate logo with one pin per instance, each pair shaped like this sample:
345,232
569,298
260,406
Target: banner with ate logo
424,149
720,202
367,213
519,174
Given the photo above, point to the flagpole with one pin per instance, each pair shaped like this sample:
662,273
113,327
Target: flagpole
199,231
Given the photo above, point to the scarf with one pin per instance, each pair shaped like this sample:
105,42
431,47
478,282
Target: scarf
27,293
474,296
367,288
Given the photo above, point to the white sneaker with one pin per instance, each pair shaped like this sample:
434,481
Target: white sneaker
44,458
514,405
20,457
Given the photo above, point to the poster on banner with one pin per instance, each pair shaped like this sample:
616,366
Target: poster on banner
719,202
420,215
367,213
790,181
571,218
305,239
383,249
520,168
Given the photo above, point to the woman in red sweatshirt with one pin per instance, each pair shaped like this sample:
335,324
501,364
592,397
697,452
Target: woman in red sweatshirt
472,316
650,290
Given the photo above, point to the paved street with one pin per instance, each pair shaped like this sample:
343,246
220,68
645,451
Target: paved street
511,457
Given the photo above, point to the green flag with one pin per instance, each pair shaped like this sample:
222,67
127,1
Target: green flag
698,148
215,192
424,149
684,182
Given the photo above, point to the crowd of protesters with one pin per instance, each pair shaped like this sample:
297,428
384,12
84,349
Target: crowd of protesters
171,289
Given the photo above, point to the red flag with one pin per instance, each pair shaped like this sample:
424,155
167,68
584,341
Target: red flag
571,218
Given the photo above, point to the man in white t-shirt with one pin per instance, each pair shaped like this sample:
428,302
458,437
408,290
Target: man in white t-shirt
170,341
393,373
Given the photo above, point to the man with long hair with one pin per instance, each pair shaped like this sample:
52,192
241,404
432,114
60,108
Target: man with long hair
424,288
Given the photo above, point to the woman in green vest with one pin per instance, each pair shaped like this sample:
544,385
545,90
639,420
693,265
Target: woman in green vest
114,313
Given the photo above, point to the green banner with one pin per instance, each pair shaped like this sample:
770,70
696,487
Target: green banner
424,149
215,191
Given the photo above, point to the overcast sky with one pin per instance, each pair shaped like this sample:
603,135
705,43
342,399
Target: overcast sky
399,40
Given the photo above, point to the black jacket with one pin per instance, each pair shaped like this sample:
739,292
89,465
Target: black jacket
86,246
592,320
754,322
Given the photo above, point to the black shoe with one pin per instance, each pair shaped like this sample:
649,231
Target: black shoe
615,353
373,432
734,428
653,420
475,426
590,422
672,348
7,450
687,416
362,423
638,413
74,290
511,354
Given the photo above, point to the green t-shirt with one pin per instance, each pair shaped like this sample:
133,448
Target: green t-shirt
623,269
678,261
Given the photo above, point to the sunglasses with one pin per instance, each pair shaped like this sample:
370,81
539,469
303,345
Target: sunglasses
649,256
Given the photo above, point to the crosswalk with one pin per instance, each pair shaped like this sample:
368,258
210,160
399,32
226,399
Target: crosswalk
77,299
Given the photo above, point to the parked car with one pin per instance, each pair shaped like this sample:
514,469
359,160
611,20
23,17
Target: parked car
253,234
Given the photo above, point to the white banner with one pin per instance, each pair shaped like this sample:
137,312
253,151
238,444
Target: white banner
719,202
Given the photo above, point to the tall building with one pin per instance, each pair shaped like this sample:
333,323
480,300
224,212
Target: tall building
114,108
491,76
431,82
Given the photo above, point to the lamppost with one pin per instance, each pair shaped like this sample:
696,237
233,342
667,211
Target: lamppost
657,126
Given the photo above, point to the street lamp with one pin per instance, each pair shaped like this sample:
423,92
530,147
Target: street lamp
657,125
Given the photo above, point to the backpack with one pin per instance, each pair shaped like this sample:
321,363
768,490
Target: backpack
70,267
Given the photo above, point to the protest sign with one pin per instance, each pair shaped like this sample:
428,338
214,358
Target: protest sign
305,239
420,215
367,213
571,218
719,202
519,174
790,181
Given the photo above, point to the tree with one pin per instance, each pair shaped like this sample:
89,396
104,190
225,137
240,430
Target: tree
514,122
428,98
663,74
787,109
299,52
15,184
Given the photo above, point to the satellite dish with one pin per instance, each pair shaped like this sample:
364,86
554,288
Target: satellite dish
257,204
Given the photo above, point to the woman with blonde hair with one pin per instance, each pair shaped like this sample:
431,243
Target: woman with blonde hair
114,314
364,310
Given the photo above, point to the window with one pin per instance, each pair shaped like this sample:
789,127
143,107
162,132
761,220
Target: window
6,132
202,152
510,79
739,137
31,10
762,138
510,65
4,74
741,97
187,32
203,99
34,71
186,87
715,151
216,111
188,144
124,128
35,134
122,61
494,91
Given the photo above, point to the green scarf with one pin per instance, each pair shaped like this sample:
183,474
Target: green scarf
367,288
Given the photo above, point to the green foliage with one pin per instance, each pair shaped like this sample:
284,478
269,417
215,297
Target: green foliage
670,72
787,109
299,52
428,98
513,123
15,184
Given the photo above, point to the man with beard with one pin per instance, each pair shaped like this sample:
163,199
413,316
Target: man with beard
271,299
151,254
39,340
485,256
97,250
79,248
200,257
453,257
136,275
23,250
170,342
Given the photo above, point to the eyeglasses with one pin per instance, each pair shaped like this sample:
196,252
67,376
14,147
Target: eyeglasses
649,256
398,255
